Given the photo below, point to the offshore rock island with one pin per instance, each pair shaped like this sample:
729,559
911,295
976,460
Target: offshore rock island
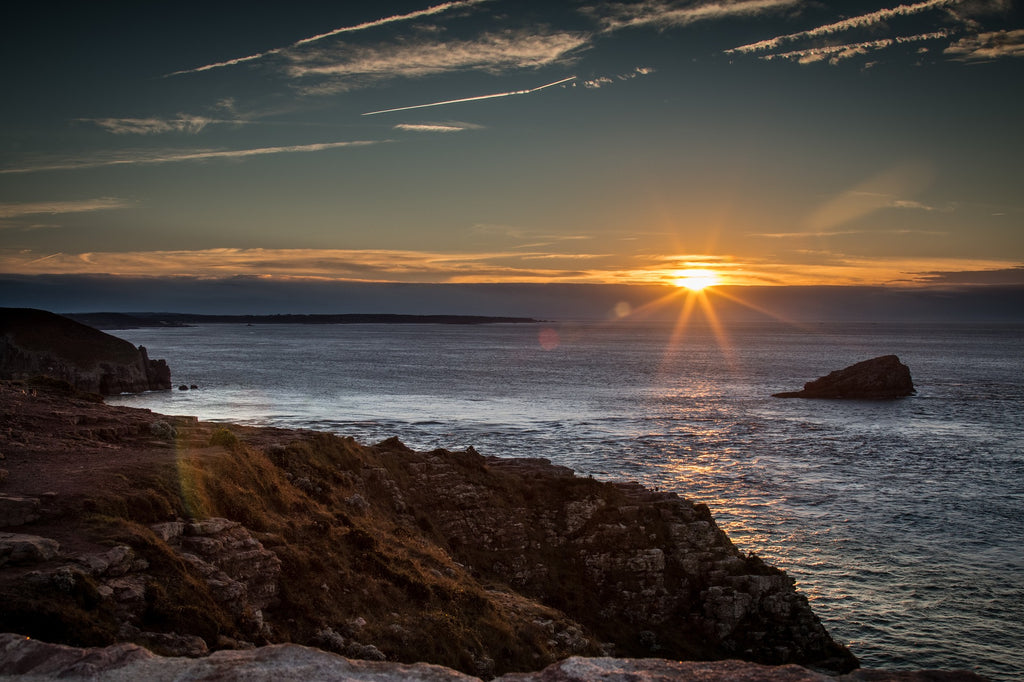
881,378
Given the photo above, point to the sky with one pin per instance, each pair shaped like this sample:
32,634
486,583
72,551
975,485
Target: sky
771,142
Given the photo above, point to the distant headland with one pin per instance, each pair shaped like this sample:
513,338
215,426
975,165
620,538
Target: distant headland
142,320
37,343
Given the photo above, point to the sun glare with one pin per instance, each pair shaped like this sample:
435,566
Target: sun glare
695,280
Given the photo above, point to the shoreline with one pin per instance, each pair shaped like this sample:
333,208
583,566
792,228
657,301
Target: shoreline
574,566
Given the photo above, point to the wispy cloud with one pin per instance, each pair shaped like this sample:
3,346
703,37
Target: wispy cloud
860,21
497,266
949,18
334,264
446,127
343,67
835,53
885,190
911,205
430,11
987,46
663,14
177,156
836,233
182,123
804,235
601,81
1013,275
476,98
60,207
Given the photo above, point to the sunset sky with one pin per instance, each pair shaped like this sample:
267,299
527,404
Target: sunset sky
771,141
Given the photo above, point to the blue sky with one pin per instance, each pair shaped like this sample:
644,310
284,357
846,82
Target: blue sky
770,141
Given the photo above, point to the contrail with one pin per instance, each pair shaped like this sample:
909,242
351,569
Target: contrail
471,99
844,25
436,9
190,155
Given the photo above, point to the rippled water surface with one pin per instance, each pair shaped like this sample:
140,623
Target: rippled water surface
902,521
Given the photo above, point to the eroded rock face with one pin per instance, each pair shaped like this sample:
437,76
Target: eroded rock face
241,573
39,343
485,564
881,378
649,571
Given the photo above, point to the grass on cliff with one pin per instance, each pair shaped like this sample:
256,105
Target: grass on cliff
347,555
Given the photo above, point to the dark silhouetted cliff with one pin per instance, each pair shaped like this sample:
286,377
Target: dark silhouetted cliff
39,343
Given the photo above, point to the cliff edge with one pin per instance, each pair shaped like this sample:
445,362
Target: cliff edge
40,343
118,525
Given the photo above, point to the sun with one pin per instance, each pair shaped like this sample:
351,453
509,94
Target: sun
695,280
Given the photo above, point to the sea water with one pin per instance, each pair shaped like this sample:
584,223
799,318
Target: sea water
902,521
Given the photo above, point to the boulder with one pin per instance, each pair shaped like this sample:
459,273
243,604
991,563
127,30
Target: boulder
881,378
16,548
38,343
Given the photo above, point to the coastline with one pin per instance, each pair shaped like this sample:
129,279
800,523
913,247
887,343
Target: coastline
121,321
369,551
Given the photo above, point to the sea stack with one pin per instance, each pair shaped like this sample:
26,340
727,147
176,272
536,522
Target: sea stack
881,378
39,343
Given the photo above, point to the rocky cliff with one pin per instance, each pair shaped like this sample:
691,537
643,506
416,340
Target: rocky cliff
120,525
39,343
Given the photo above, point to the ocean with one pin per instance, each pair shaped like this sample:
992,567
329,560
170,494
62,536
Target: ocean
902,521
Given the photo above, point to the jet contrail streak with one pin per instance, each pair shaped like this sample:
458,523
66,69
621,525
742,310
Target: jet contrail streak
436,9
470,99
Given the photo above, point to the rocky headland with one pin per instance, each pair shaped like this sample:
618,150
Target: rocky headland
122,525
39,343
881,378
136,545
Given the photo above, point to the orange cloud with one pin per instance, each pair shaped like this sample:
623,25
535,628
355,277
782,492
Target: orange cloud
418,266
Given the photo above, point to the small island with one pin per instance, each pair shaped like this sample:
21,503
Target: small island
881,378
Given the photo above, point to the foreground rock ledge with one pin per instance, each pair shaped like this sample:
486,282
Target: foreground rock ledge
29,659
881,378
